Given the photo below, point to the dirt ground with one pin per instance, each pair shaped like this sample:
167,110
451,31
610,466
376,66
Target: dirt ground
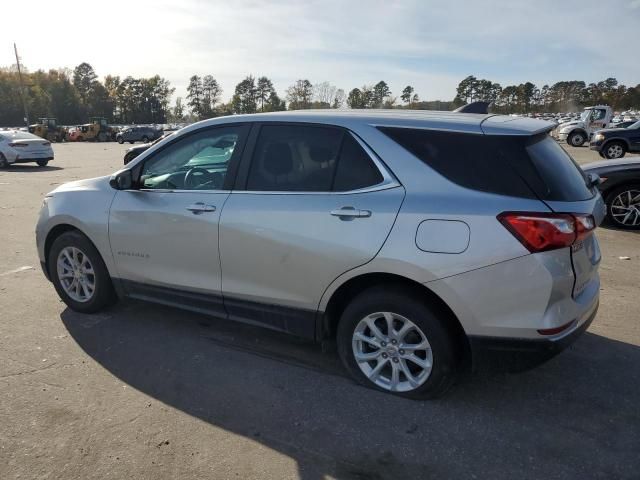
148,392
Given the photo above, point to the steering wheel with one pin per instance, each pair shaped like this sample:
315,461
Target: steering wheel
193,174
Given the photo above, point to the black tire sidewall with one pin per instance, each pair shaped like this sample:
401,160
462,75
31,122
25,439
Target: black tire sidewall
446,355
609,199
104,293
120,140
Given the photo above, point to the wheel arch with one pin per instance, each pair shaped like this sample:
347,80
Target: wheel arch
58,230
624,141
341,296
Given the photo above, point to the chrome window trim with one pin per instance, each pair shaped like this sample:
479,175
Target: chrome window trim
169,190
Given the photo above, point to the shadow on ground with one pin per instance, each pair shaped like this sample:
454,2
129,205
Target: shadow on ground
29,168
575,417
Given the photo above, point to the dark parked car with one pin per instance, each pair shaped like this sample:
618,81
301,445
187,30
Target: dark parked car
133,152
615,142
625,124
138,134
620,188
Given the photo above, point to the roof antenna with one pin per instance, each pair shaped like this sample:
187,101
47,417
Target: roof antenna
480,106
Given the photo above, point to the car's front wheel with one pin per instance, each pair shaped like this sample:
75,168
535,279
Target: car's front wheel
613,150
576,139
623,207
79,274
120,140
42,163
395,342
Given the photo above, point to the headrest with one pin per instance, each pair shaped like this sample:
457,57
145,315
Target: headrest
278,159
320,154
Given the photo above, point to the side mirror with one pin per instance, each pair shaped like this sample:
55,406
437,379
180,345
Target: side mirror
122,180
594,179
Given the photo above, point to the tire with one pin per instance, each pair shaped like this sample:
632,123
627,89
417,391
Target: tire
618,207
120,140
102,137
614,150
3,161
80,139
431,323
576,139
42,163
103,293
145,139
131,142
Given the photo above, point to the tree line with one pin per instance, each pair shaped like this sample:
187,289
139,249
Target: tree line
559,97
72,96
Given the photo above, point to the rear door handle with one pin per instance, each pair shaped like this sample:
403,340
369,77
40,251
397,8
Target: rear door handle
201,207
350,212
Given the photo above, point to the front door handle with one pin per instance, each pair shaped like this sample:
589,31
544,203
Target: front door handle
347,213
201,207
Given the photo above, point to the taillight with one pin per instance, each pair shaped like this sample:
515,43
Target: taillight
14,145
540,232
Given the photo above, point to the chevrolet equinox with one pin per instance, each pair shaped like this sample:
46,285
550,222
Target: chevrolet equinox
420,241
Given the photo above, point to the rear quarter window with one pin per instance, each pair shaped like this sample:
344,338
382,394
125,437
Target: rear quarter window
519,166
469,160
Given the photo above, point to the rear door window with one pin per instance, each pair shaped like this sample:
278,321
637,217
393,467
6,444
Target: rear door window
310,158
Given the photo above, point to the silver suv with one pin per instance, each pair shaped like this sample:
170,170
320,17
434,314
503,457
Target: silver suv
422,242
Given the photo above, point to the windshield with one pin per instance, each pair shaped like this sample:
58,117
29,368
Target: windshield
635,125
584,116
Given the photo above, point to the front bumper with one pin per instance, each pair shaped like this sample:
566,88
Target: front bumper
518,354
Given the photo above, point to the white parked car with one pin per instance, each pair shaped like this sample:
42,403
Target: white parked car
23,147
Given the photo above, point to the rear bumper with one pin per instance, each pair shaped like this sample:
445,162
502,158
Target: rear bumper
30,160
517,354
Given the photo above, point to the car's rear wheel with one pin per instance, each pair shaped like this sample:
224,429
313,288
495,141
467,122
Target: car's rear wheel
613,150
120,140
397,343
78,273
623,207
576,139
42,163
3,161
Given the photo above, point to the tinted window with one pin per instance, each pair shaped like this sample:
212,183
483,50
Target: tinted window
519,166
465,159
195,162
355,168
294,158
561,177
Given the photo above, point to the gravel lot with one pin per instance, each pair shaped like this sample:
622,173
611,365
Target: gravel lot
149,392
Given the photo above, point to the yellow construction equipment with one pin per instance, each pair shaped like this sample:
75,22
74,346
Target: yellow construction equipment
48,128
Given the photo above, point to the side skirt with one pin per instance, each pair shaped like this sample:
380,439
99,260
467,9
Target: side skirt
296,321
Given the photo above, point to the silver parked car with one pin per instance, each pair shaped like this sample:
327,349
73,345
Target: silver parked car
422,242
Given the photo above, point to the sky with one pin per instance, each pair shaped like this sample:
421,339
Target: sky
431,45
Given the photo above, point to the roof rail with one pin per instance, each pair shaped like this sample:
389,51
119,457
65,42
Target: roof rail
474,107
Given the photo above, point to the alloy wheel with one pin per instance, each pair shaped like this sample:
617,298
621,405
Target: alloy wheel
76,274
625,208
392,351
614,151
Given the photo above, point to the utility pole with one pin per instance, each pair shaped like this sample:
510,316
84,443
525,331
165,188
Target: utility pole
22,96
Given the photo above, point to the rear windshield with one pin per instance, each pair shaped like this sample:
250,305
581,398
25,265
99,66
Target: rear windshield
17,135
518,166
560,178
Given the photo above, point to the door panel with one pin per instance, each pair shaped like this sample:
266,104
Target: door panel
168,238
286,248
